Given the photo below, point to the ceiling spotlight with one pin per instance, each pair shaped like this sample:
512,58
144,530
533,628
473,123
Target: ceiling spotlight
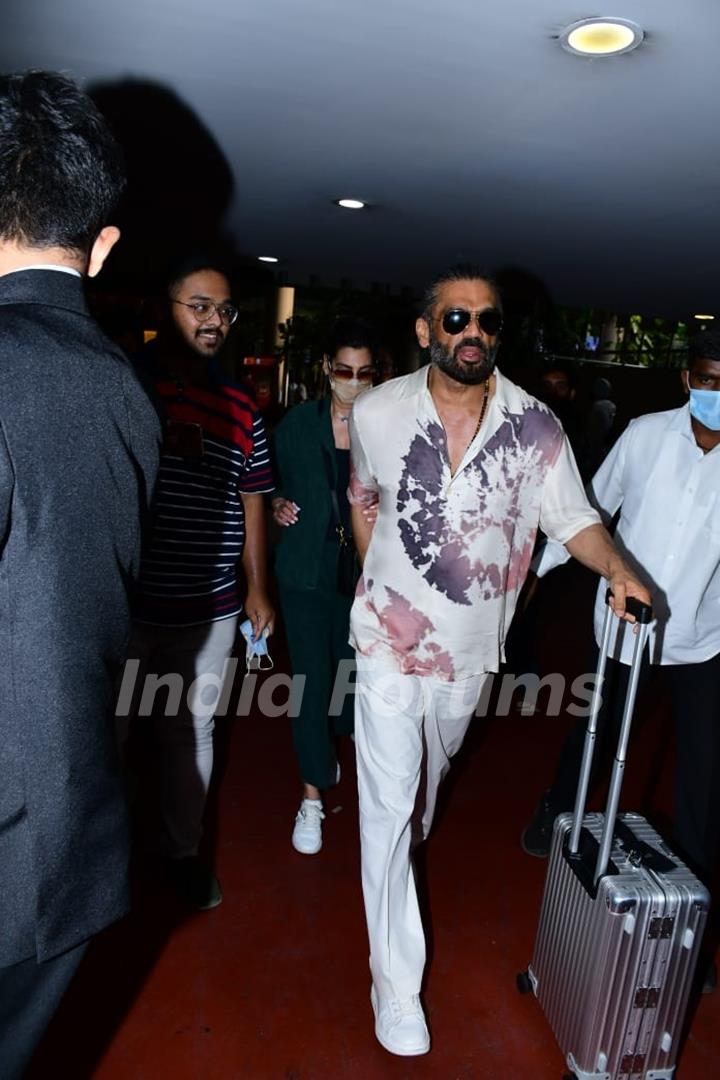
704,318
267,258
601,37
350,204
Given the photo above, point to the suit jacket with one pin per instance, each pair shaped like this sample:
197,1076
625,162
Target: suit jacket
301,438
79,445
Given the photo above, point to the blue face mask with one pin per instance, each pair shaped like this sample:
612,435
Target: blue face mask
256,652
705,407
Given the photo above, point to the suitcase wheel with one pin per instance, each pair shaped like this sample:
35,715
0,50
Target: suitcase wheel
522,981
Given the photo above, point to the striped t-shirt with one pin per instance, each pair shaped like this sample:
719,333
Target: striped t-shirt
188,573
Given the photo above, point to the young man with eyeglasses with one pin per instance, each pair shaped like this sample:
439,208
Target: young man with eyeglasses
209,524
464,467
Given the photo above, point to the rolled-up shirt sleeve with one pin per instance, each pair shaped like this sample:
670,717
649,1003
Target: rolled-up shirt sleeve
565,509
363,489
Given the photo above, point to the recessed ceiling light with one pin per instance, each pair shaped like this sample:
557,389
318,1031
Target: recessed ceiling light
350,204
267,258
704,318
601,37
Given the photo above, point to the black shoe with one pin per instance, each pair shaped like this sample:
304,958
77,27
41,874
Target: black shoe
195,883
709,983
537,836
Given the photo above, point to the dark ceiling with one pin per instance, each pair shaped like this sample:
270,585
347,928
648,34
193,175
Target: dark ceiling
466,127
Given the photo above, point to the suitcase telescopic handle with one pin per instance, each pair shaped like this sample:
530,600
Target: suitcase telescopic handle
643,615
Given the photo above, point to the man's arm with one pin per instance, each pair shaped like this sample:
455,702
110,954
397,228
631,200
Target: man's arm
254,560
594,548
362,493
7,486
362,528
567,516
605,491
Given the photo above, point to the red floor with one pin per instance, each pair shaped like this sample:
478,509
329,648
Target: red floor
273,984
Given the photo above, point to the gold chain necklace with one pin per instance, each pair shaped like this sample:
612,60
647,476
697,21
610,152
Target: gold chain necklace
482,415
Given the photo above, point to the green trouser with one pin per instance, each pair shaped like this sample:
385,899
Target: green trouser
316,623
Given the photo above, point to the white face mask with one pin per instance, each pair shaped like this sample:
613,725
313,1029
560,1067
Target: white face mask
347,390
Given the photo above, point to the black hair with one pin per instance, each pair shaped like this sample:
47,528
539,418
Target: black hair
559,363
351,332
61,171
705,345
193,264
462,271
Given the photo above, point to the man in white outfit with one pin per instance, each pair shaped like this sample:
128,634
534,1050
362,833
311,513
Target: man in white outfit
464,466
663,476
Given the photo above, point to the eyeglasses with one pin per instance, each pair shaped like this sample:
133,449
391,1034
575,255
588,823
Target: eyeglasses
205,309
345,374
490,320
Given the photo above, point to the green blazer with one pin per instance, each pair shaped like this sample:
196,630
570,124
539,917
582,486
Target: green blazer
302,477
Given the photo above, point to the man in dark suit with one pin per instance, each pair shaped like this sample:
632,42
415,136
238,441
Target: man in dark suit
78,457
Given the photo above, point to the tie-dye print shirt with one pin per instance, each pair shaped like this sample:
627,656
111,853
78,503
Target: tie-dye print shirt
449,554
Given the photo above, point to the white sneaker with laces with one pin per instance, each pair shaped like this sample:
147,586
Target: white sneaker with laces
307,834
400,1025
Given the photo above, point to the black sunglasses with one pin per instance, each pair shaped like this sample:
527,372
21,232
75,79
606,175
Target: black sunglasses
455,320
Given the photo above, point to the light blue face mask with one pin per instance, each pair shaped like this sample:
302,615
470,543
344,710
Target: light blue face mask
256,652
705,407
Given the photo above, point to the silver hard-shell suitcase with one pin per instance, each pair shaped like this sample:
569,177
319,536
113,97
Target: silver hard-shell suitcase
620,926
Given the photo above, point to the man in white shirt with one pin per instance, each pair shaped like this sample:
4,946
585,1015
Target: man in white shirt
463,466
663,474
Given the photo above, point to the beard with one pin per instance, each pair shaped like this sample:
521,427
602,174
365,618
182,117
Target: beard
460,370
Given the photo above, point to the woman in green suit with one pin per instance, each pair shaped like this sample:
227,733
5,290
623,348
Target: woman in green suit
312,458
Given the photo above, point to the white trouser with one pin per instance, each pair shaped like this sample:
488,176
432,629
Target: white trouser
397,717
185,737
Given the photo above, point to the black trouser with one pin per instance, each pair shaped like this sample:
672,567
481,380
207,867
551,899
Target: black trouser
695,690
317,626
29,995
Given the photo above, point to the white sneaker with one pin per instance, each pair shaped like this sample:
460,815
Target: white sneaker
400,1025
307,834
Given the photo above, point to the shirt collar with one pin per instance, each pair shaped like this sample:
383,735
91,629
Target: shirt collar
681,422
418,384
46,266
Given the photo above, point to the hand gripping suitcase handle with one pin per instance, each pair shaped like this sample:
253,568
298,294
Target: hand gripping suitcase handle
643,615
641,612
